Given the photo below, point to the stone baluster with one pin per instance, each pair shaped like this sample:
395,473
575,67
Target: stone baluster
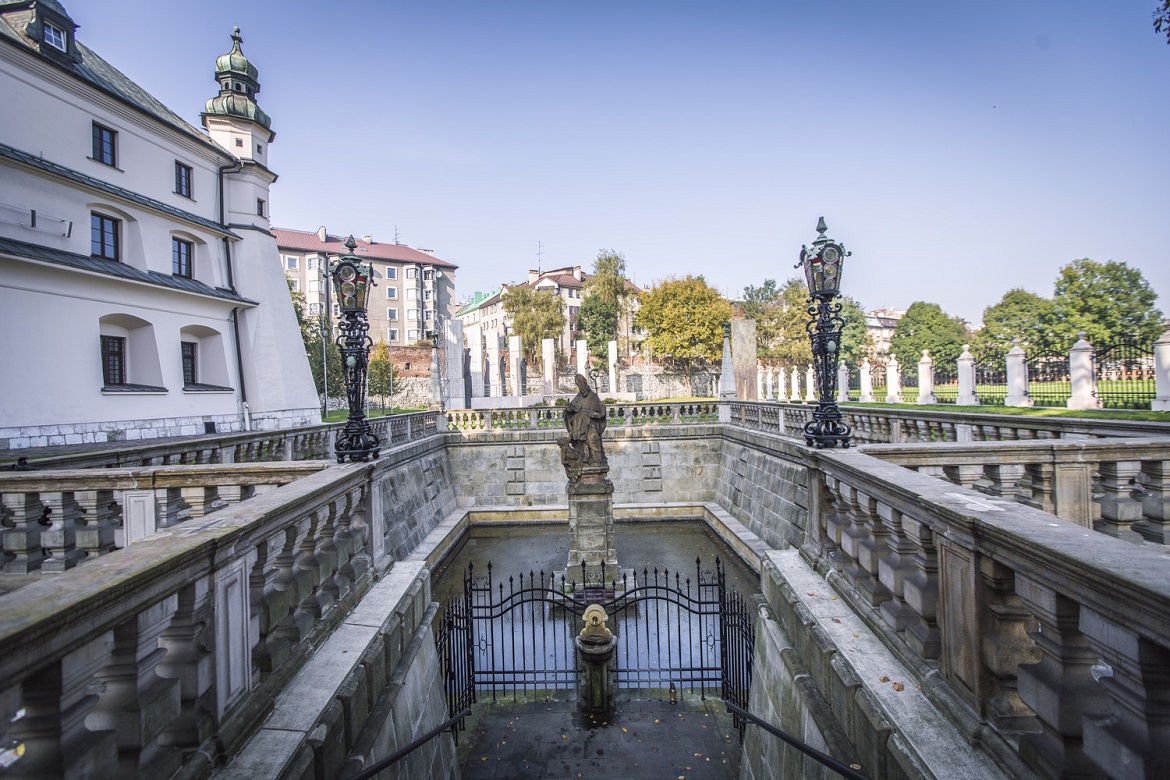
99,517
302,578
966,370
894,568
1043,488
1004,645
1120,505
1155,497
1130,739
197,498
188,659
56,701
810,385
1005,479
328,591
866,542
964,474
837,522
866,382
344,541
269,606
138,704
1060,687
22,539
172,509
60,539
920,589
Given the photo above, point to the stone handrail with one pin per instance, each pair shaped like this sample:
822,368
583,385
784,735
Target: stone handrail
310,443
617,415
1055,639
904,426
1121,487
51,521
169,653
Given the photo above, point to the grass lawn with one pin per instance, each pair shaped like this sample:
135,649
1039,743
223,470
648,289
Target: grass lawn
1028,411
341,415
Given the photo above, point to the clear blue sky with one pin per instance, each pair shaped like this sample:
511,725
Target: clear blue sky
959,149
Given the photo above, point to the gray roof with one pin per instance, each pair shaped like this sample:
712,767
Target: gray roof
32,161
100,265
105,77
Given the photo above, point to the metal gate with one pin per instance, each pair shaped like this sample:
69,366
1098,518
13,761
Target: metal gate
1125,375
516,635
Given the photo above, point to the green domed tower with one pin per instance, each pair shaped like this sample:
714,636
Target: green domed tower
232,117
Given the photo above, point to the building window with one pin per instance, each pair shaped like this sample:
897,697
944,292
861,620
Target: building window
311,263
428,275
411,273
105,145
190,363
294,285
429,314
412,314
181,258
259,149
413,336
182,179
240,142
54,36
113,360
103,236
392,292
260,205
291,262
315,286
391,273
392,334
337,310
314,310
428,295
411,293
392,315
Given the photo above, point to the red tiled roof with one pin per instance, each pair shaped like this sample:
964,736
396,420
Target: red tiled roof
303,241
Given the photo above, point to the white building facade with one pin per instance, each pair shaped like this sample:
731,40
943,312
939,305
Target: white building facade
140,292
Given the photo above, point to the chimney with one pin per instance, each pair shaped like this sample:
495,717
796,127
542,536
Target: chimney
533,275
368,238
321,234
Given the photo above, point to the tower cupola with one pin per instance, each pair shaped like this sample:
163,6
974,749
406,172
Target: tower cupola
238,86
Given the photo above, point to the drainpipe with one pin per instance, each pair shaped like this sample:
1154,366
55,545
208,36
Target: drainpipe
231,282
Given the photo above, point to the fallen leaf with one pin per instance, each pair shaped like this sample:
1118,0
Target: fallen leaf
656,720
855,636
624,730
836,620
834,598
813,595
851,766
899,687
883,678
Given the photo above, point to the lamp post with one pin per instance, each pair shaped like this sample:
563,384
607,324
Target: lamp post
352,280
822,270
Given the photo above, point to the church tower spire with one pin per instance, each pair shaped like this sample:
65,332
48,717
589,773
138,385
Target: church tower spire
232,117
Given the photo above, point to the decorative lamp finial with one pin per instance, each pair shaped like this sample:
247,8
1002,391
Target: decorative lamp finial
821,226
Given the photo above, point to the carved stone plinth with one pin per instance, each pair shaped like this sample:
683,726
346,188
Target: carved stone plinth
591,523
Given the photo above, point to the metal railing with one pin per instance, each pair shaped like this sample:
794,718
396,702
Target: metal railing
393,758
803,747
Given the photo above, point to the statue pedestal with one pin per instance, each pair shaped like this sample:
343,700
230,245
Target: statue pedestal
591,525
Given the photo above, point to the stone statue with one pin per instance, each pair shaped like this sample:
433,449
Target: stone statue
585,421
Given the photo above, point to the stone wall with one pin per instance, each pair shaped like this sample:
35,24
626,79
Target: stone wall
413,496
762,482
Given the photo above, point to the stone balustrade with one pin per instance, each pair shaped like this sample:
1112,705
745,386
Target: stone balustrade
1047,645
617,415
51,521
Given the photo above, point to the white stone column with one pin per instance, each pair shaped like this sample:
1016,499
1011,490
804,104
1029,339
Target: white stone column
613,358
794,386
726,370
1017,377
966,367
768,384
1081,375
495,346
548,365
926,378
893,381
456,378
477,365
759,382
1161,402
582,357
866,382
810,385
842,383
515,374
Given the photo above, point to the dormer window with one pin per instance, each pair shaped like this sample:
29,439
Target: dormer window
54,36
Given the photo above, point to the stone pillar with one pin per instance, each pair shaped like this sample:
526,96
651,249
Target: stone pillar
595,647
966,365
495,365
1161,402
926,379
515,370
436,394
759,383
477,365
768,384
548,365
866,382
1017,377
743,357
794,385
893,381
613,358
582,357
1082,376
810,385
726,377
456,380
842,383
591,541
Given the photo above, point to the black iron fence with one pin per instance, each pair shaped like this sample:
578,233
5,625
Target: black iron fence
946,382
1125,375
854,383
1049,382
991,386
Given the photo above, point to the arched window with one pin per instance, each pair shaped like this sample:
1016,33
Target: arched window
129,355
203,359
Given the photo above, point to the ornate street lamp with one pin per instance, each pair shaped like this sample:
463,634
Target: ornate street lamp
822,270
352,280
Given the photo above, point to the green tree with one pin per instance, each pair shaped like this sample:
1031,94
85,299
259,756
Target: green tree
855,338
763,304
926,326
608,280
598,321
1162,19
380,373
536,315
1109,301
1019,314
684,319
315,332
